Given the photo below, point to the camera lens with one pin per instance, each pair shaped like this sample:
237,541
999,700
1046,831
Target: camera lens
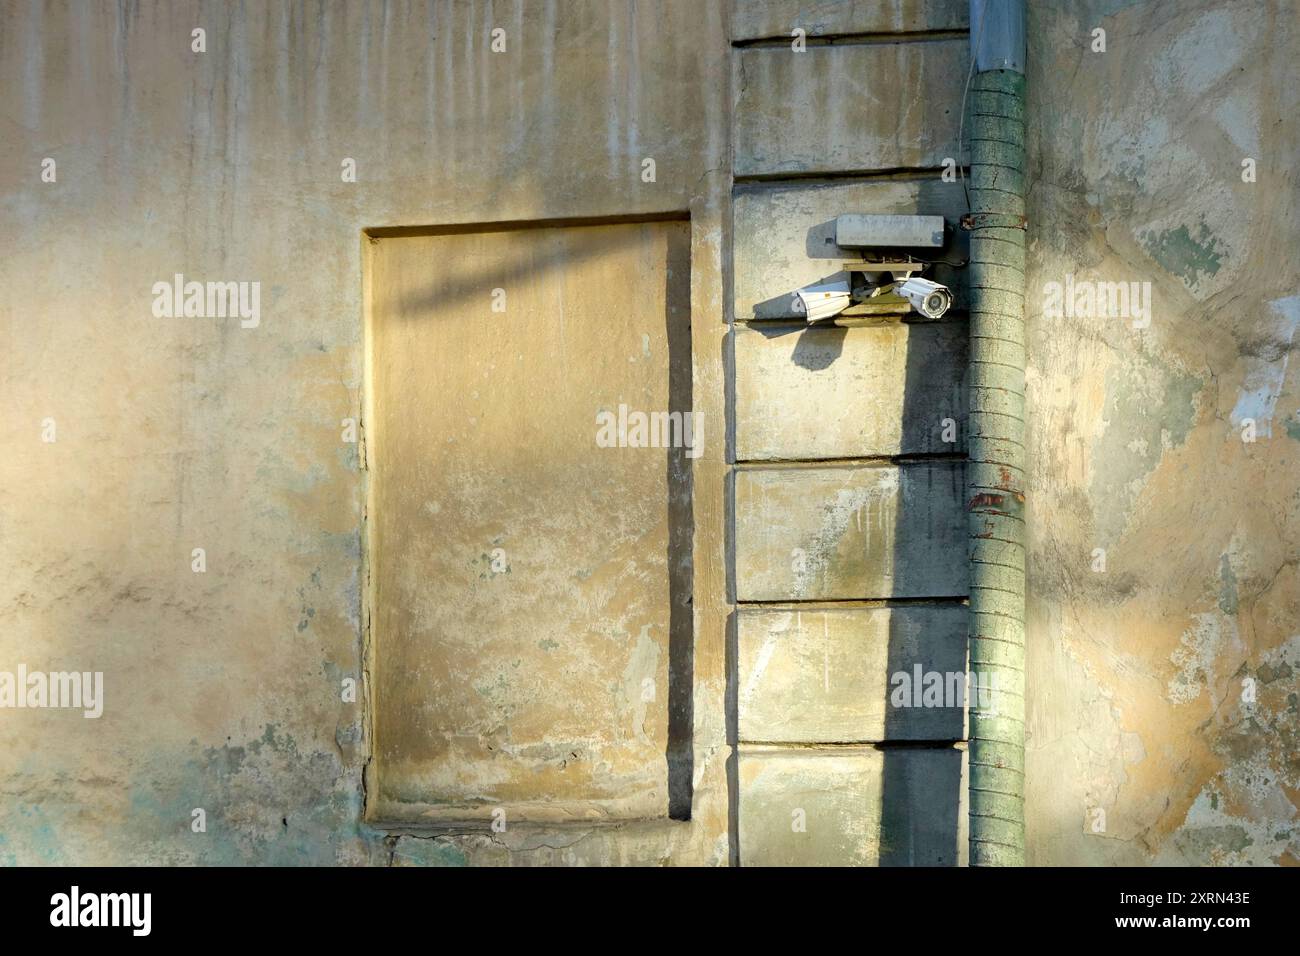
935,303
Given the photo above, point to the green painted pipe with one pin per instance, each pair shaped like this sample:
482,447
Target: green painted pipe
995,475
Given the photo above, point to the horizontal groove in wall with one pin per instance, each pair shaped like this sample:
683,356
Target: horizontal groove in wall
757,747
423,831
852,604
825,177
850,39
867,461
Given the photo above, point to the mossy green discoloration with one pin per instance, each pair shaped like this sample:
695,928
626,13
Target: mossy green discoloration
1182,255
1227,587
1150,407
412,851
267,802
1203,846
1269,673
36,832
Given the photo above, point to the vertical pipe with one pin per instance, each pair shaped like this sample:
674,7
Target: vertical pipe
996,469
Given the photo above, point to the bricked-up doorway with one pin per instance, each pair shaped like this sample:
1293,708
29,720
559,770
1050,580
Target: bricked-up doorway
530,636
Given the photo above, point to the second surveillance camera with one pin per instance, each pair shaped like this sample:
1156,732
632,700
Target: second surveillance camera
824,301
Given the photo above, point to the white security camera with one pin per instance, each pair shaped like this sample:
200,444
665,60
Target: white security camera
929,298
824,301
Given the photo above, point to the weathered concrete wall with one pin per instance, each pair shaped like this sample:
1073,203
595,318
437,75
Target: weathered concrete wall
1138,700
868,531
900,99
1163,586
821,675
855,394
1163,592
849,553
223,687
848,806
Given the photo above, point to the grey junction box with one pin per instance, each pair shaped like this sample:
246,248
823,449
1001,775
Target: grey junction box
860,230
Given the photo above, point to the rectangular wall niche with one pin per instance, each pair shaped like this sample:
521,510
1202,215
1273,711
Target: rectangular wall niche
529,590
